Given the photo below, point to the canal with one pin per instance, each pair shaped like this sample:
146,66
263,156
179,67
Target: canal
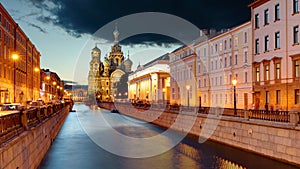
86,142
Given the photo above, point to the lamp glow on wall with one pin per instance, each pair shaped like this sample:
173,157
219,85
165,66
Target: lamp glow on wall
15,57
188,95
36,70
234,82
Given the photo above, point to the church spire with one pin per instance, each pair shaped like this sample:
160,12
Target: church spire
116,35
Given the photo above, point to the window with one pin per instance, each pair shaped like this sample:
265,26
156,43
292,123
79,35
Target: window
297,96
220,63
216,48
267,97
277,73
277,40
225,62
296,34
204,82
277,12
230,60
296,68
256,46
278,97
266,16
235,59
230,43
267,41
295,6
199,68
173,93
256,21
216,62
225,44
246,77
246,57
221,80
199,83
257,74
267,72
245,37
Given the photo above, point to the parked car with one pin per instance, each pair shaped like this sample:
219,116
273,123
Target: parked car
11,106
36,104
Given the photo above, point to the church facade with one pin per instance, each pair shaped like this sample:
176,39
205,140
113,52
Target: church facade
105,75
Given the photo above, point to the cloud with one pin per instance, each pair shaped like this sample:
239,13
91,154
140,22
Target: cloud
79,17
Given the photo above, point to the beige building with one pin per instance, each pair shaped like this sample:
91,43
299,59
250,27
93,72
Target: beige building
183,76
151,82
276,54
222,58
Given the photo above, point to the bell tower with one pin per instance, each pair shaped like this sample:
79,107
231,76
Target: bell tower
94,73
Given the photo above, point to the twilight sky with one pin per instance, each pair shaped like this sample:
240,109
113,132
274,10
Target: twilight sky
62,29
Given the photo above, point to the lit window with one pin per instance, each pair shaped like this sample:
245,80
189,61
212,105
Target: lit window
267,72
257,74
278,71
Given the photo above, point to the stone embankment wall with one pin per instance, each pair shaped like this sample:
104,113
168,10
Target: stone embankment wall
273,139
28,148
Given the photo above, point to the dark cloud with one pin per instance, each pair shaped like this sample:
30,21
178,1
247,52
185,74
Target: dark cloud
78,17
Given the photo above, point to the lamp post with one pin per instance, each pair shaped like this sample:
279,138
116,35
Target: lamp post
15,57
234,82
36,69
188,95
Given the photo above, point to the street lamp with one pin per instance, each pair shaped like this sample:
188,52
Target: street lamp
15,57
36,69
188,95
234,82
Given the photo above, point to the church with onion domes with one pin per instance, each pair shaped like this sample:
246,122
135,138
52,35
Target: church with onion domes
104,76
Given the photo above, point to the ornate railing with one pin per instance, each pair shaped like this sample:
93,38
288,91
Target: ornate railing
13,124
277,116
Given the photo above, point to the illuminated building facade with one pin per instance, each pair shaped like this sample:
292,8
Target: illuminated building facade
151,82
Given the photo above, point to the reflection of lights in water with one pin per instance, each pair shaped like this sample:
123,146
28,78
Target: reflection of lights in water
221,163
188,151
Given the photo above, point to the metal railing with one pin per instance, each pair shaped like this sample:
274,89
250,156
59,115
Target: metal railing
276,116
13,124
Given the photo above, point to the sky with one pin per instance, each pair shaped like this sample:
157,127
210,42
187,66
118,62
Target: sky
65,31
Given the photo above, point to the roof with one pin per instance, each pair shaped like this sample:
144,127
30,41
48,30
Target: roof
163,57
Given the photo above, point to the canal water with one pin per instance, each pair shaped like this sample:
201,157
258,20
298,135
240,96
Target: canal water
83,143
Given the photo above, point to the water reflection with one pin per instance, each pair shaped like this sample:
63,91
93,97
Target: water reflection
74,149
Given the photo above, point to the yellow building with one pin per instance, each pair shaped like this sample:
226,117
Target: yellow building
19,63
151,82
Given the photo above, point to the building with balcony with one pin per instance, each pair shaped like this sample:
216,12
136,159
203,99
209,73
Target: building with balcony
151,82
220,59
276,54
19,62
